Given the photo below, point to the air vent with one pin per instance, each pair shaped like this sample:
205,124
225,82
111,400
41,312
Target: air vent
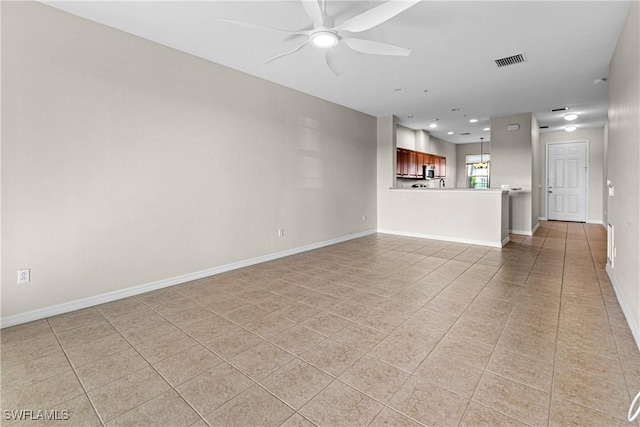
510,60
555,110
544,127
465,133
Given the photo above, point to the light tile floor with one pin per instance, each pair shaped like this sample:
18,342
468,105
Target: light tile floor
382,330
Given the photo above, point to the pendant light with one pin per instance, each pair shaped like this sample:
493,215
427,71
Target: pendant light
481,164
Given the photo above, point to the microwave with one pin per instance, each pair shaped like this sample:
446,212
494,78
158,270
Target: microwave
428,171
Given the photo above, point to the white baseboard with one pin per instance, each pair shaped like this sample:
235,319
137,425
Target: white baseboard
623,305
542,218
505,241
66,307
595,221
535,227
522,232
446,238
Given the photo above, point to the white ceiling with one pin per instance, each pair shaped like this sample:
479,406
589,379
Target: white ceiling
567,44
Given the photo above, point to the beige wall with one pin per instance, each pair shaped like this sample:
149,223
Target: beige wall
595,142
512,164
125,162
623,158
535,174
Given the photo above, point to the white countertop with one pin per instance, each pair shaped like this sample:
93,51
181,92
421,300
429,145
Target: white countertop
472,190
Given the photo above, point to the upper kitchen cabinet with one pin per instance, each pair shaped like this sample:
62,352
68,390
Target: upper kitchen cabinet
409,163
440,163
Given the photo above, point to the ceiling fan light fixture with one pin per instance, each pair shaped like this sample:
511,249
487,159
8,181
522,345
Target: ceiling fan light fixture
570,128
570,117
324,39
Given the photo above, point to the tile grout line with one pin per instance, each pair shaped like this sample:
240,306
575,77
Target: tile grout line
75,373
228,361
156,371
436,344
555,350
485,370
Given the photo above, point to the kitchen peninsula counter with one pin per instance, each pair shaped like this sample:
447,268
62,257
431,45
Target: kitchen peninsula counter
466,215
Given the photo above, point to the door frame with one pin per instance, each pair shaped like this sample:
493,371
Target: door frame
586,177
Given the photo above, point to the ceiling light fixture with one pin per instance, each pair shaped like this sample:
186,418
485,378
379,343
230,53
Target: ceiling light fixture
570,128
449,133
570,117
473,121
324,39
486,129
433,125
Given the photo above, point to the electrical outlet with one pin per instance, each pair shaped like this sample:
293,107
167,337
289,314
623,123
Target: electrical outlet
280,232
24,276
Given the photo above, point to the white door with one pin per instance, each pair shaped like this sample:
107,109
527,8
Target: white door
567,181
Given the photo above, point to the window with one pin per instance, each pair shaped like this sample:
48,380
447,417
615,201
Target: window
478,170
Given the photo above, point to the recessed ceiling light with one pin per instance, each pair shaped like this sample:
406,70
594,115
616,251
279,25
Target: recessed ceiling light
486,129
324,39
570,117
570,128
433,125
449,133
473,120
600,80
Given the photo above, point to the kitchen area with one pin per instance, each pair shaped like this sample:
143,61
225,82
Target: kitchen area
420,193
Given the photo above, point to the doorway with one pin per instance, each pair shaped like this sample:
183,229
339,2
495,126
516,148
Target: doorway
567,173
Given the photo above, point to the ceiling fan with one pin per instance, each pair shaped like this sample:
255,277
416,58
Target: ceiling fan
326,35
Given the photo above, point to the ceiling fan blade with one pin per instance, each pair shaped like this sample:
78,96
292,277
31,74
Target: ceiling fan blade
375,48
333,61
313,11
376,16
262,27
287,53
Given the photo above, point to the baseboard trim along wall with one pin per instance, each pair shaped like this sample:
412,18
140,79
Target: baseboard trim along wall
54,310
627,313
447,238
522,232
590,221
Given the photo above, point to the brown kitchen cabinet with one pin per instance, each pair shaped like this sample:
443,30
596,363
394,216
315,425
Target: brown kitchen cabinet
403,161
441,166
409,163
